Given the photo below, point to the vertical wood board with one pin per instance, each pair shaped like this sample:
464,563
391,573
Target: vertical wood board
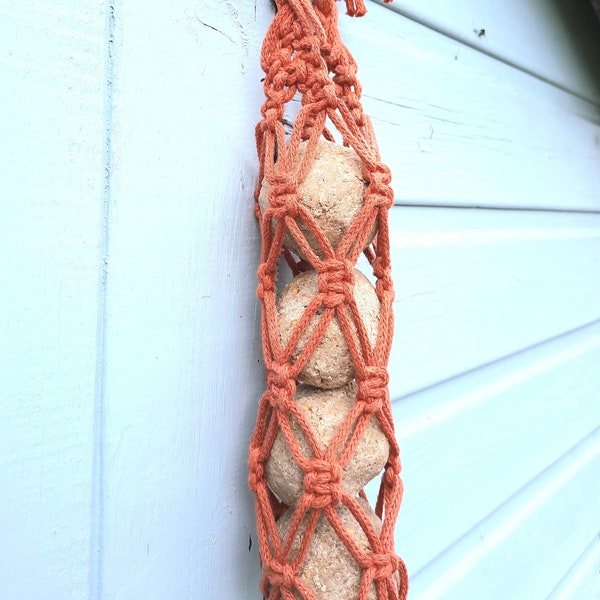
183,374
52,60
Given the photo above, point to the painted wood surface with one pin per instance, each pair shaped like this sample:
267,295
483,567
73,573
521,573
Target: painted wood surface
183,368
473,286
460,128
52,63
553,40
492,433
130,363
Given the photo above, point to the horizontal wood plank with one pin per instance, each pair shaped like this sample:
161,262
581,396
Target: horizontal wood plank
469,444
473,286
521,550
460,128
582,580
536,37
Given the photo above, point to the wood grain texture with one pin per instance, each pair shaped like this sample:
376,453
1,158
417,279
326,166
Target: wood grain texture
459,128
51,192
183,367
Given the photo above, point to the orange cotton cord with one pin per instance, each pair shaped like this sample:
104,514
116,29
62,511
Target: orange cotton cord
304,59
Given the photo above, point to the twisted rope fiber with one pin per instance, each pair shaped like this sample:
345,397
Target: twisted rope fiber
303,57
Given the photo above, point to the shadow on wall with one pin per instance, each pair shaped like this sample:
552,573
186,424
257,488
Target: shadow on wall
584,26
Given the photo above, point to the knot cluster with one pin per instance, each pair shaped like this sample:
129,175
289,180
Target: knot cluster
336,282
322,483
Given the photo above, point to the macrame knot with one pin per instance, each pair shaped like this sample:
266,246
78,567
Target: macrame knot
379,190
281,575
324,97
391,477
283,196
382,566
273,114
322,482
336,282
385,287
281,386
266,281
372,388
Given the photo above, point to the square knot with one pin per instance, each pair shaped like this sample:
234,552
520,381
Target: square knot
283,196
381,565
372,388
273,113
322,93
379,191
266,281
336,282
322,483
281,575
391,477
281,386
256,471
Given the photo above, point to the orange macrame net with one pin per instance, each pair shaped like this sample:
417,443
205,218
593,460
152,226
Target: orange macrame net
304,58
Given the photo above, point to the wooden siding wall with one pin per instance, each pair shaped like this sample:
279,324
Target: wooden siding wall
130,364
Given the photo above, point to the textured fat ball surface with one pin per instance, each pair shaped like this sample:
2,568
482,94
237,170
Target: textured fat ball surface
333,193
330,366
325,411
329,569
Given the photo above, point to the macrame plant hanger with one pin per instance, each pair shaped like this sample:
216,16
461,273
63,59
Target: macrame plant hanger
305,60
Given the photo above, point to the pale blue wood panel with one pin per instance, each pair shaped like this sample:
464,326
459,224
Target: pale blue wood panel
51,195
459,128
469,445
183,369
555,40
473,286
523,548
582,580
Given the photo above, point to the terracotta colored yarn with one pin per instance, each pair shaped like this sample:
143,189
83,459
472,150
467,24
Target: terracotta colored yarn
304,58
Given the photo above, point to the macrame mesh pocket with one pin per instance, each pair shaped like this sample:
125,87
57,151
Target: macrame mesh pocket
307,471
